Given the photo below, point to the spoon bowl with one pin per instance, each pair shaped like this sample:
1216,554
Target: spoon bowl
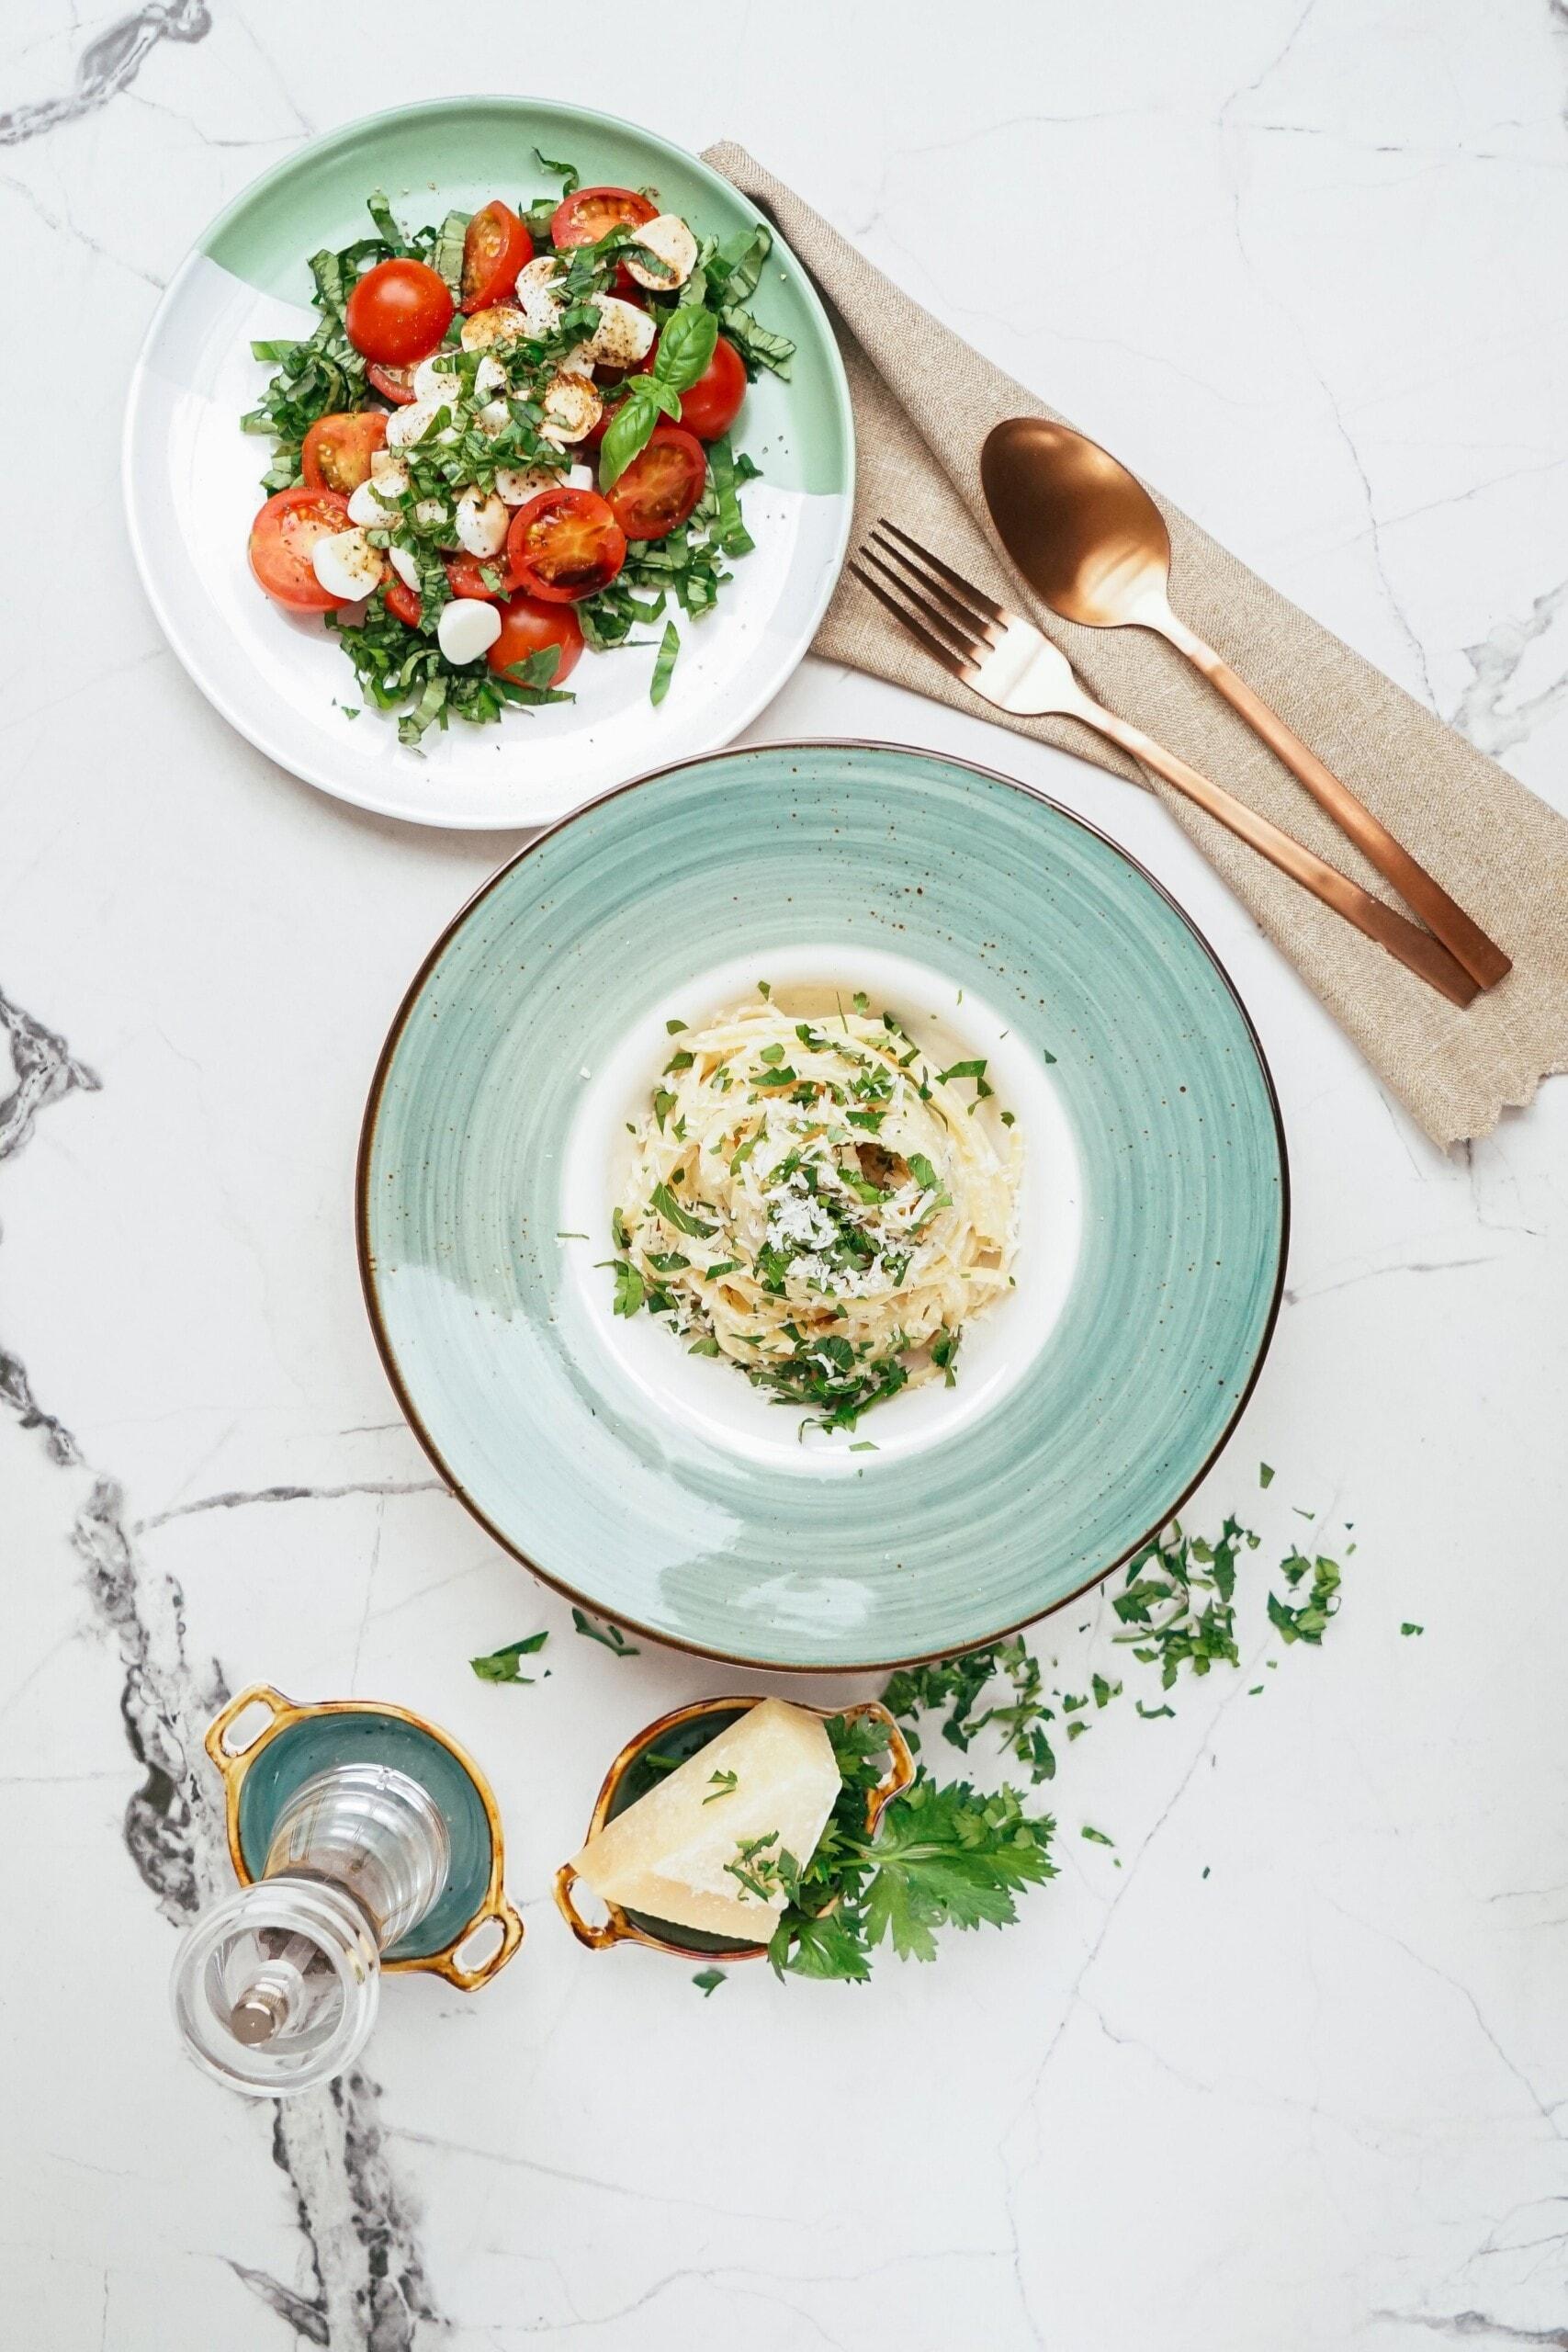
1093,545
1085,534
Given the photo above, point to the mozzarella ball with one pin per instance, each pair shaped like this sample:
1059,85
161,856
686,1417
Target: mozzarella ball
669,240
503,323
467,628
541,304
571,408
481,522
624,335
346,564
516,485
407,426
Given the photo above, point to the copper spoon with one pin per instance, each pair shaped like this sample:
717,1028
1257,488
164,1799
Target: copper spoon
1091,542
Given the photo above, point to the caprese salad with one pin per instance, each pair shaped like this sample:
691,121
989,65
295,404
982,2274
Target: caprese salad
509,438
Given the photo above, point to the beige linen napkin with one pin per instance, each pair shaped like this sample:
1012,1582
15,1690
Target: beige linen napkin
924,403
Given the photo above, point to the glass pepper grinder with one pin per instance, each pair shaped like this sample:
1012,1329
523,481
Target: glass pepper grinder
275,1988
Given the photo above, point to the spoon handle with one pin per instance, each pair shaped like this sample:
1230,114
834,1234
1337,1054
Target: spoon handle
1482,958
1414,947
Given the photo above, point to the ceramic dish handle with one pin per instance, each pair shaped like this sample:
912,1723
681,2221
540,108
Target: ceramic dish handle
595,1939
468,1980
901,1764
228,1759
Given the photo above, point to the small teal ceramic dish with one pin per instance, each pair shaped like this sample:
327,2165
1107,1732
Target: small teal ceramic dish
292,1744
668,1494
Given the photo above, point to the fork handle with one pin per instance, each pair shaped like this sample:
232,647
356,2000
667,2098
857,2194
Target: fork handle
1481,957
1415,948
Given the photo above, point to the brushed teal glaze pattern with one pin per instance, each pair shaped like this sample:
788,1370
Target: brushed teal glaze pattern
317,1742
1184,1220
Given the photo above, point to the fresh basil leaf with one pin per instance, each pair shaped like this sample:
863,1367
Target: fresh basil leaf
446,253
685,347
737,264
663,668
757,346
629,430
567,174
730,528
380,212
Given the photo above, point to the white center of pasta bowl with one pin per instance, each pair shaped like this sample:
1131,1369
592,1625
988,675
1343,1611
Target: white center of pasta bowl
709,1398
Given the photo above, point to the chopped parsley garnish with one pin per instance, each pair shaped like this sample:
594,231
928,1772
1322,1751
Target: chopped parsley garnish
944,1857
708,1980
602,1630
502,1664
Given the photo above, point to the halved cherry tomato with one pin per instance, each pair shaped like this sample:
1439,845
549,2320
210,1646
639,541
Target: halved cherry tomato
495,248
394,384
710,406
281,539
403,602
338,449
590,214
658,491
467,575
527,627
399,312
565,544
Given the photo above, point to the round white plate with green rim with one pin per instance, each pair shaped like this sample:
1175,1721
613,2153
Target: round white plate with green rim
664,1492
192,478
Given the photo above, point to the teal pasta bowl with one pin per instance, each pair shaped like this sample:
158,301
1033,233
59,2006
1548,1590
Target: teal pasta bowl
661,1489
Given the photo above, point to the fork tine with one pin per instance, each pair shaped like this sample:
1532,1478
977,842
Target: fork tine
964,623
977,596
960,628
938,651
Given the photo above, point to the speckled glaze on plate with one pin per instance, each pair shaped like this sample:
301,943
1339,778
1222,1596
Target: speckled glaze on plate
1181,1152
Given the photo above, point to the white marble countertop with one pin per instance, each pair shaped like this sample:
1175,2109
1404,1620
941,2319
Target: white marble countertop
1296,2073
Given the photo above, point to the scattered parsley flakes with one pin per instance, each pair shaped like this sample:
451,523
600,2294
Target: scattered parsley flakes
723,1784
1265,1474
1409,1628
502,1664
610,1636
708,1980
1095,1837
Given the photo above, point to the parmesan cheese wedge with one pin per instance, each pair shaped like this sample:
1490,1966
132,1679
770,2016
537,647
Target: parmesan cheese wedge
668,1854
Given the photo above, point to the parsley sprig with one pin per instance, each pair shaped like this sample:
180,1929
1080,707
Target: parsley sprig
941,1858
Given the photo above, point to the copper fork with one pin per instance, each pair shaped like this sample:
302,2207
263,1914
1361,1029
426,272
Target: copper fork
1010,664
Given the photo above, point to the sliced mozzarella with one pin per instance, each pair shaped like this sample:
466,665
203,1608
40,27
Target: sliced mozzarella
501,324
493,418
668,1854
490,377
481,522
389,473
407,426
346,564
582,478
367,507
571,408
517,484
436,380
403,564
541,304
623,337
669,240
467,628
435,514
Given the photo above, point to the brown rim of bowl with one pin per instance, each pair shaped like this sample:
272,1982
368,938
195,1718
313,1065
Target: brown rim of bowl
805,744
